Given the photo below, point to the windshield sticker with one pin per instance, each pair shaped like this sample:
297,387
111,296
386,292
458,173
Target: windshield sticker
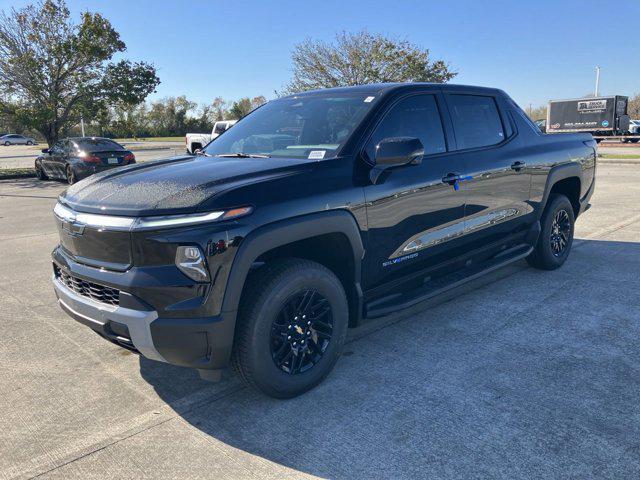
369,99
317,154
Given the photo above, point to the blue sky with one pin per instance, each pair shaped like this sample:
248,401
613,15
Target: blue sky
535,50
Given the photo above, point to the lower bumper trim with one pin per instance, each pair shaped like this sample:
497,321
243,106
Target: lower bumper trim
97,316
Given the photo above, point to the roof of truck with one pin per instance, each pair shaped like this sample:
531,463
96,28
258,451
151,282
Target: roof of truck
388,87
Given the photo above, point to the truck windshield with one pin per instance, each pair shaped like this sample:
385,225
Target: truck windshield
311,127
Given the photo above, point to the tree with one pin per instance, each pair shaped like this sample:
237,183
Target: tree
537,113
245,105
55,71
633,107
360,58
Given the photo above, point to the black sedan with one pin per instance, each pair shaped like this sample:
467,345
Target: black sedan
73,159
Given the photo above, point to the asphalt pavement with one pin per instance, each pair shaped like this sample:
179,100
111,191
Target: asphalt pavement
522,374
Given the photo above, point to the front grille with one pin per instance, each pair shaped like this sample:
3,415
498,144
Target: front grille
99,293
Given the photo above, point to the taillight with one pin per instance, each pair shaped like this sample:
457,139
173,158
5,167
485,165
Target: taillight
129,158
91,159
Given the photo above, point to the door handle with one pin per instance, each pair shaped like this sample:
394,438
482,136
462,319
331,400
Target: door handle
451,178
517,166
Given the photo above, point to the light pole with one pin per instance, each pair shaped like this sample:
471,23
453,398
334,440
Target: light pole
597,81
82,125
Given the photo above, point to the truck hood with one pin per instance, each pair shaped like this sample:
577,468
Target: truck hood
174,185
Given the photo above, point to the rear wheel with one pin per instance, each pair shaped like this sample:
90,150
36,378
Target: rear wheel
6,144
292,327
556,235
71,176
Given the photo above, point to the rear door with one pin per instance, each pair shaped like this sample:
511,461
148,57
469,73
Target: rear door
497,184
412,214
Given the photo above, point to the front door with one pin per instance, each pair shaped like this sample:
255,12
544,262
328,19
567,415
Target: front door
411,213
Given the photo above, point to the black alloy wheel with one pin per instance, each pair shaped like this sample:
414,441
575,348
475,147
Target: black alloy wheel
556,234
292,326
560,231
301,332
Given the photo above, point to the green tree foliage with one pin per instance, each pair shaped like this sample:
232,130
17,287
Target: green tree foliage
633,108
537,113
361,58
54,71
244,106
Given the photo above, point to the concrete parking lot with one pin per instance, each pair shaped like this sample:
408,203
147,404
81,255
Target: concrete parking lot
522,374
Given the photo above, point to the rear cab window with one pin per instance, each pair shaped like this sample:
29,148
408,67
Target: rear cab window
476,121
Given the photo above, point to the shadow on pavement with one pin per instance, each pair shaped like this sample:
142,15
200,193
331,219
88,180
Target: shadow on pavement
534,375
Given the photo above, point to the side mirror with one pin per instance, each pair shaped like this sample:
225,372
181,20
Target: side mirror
396,152
45,150
197,151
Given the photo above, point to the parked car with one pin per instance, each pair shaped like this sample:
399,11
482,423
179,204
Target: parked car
73,159
15,139
195,141
634,129
315,212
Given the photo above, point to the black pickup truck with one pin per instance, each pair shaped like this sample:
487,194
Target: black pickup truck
314,212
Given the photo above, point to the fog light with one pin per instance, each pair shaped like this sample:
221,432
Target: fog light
190,260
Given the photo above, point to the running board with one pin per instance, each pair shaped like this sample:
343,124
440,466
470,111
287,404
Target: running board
438,286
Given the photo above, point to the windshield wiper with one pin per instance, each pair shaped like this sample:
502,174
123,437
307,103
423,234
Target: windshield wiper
242,155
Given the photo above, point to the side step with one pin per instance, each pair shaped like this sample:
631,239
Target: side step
437,286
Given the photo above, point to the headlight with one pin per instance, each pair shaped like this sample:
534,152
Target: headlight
190,260
112,222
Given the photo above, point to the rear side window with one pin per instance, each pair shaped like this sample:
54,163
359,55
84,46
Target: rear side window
476,121
415,116
220,128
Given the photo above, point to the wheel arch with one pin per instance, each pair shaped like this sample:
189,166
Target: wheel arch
565,179
312,236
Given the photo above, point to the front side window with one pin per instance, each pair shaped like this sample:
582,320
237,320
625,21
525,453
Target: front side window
476,121
416,116
311,127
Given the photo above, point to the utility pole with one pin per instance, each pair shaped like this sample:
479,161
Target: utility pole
82,124
597,81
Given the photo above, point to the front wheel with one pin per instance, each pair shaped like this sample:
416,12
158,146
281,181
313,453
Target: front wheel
6,144
71,176
292,327
556,235
29,143
40,172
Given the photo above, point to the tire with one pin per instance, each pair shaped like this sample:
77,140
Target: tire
6,144
40,172
553,246
71,176
263,331
29,143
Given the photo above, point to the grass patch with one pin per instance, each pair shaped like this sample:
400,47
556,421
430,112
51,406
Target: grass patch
16,173
620,156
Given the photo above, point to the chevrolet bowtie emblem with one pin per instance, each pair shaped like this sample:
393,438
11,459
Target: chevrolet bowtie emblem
75,229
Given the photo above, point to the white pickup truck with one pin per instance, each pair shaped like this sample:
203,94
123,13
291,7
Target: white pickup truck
194,141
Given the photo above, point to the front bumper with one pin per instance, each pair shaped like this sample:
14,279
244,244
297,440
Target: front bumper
107,320
190,341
